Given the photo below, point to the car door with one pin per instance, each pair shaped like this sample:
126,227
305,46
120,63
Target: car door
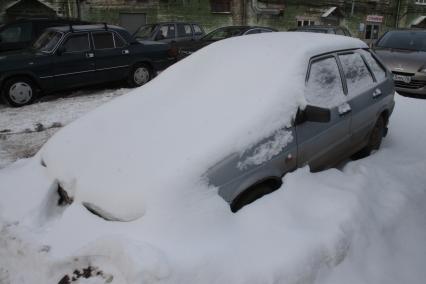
74,64
364,89
322,144
112,56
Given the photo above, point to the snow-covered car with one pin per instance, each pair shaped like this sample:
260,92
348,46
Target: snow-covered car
231,129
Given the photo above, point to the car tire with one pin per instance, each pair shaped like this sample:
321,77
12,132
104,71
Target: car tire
140,75
18,92
252,194
374,139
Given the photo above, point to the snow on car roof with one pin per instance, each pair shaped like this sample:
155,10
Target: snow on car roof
135,153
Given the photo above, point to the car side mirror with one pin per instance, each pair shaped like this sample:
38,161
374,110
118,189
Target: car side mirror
61,50
313,114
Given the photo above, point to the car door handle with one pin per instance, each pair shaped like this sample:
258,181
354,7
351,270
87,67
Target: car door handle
125,51
90,55
344,109
377,93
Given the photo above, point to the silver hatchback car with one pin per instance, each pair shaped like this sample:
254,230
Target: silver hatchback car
235,116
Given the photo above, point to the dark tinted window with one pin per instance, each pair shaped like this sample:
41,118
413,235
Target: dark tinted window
358,77
409,40
77,43
119,42
184,30
324,87
197,30
103,40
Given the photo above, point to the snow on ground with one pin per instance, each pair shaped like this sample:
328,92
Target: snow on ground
24,130
364,224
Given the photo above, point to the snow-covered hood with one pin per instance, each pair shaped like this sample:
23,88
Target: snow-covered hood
133,155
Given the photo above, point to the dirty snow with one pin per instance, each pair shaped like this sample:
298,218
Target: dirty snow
24,130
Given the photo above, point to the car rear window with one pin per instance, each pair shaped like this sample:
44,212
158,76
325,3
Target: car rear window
103,40
324,87
408,40
378,71
358,77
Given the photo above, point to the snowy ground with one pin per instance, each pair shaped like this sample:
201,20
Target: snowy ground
365,223
24,130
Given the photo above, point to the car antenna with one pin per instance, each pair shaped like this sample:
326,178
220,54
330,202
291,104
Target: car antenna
106,26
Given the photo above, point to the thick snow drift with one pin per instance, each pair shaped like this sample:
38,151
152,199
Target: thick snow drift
127,156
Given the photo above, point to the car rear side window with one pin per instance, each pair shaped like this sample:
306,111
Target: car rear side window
377,69
103,40
197,30
77,43
358,77
324,87
184,30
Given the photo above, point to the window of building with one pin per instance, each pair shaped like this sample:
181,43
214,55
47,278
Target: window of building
303,23
372,31
420,2
220,6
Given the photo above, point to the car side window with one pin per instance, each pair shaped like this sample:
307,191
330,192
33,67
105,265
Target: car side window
184,30
357,75
119,42
168,31
378,71
103,40
197,30
324,86
77,43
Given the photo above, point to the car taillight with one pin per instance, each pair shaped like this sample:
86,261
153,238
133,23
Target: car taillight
173,51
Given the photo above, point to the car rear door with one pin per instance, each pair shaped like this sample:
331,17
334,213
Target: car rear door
322,144
74,64
364,89
112,56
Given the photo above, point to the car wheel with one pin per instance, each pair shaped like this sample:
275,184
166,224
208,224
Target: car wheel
253,193
374,140
18,92
140,75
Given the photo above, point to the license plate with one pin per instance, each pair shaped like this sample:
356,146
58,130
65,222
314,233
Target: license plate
402,78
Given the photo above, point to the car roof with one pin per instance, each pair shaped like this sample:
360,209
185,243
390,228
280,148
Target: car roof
92,27
25,20
177,22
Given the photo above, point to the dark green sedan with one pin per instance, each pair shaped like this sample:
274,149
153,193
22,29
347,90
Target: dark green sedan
76,56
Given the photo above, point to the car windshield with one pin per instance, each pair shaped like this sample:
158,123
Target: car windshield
407,40
145,31
47,41
223,33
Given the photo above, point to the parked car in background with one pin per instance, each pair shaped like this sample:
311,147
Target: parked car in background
323,29
170,32
21,34
404,53
219,34
75,56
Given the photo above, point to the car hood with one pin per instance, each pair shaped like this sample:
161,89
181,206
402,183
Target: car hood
402,60
145,149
